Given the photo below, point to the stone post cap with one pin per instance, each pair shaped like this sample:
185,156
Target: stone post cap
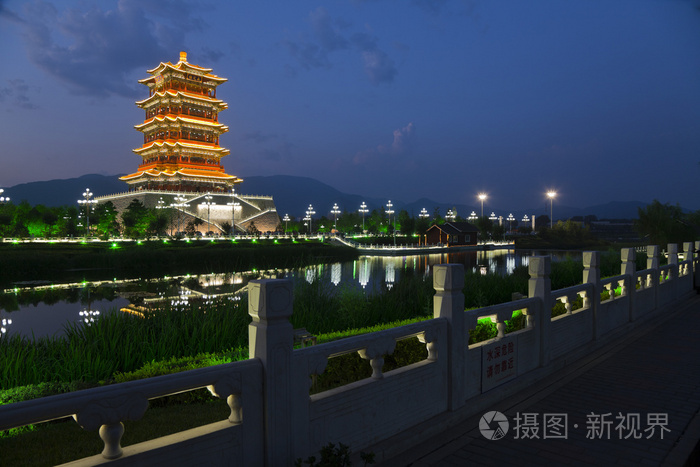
539,266
628,254
591,259
270,299
448,277
652,250
673,247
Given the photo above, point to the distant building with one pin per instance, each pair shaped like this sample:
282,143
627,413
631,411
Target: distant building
180,165
452,234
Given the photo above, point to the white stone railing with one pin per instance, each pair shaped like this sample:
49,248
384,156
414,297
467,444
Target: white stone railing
274,419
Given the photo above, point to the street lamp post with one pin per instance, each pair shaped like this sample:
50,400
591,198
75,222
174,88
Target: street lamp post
510,219
363,210
286,223
472,217
482,197
160,204
450,215
208,204
310,212
390,211
551,194
335,211
87,201
233,203
423,213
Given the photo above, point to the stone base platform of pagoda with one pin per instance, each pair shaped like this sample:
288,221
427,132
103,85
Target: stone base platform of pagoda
216,212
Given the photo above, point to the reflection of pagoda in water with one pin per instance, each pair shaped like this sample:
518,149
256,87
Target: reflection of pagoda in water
181,157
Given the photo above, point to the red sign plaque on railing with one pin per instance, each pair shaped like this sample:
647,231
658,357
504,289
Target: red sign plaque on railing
499,362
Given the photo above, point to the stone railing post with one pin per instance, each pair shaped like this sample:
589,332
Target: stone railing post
540,286
448,302
673,260
629,268
687,258
271,339
591,275
653,263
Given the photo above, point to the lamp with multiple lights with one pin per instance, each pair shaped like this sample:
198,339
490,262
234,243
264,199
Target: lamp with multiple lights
87,201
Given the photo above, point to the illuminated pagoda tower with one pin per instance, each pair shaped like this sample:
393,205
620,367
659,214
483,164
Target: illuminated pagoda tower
181,131
181,157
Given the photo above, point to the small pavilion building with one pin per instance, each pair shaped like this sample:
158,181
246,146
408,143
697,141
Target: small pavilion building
452,234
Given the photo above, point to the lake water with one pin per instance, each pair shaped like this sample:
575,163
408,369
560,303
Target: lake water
45,310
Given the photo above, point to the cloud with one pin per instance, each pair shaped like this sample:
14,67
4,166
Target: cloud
94,50
314,50
400,145
209,55
257,137
17,94
379,67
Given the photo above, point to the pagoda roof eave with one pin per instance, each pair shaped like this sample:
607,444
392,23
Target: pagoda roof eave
183,94
195,121
182,66
185,172
183,145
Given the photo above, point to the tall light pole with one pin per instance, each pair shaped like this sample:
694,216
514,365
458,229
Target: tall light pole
551,194
310,212
208,204
482,197
179,203
472,217
390,211
363,210
335,211
87,201
424,213
286,223
160,204
450,215
510,220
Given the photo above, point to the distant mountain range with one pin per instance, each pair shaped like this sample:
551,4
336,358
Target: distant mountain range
293,195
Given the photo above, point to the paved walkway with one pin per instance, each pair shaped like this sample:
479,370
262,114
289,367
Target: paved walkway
648,383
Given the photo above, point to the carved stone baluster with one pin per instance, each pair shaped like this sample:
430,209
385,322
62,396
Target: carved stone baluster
567,304
375,354
584,296
500,327
111,434
229,388
107,416
428,338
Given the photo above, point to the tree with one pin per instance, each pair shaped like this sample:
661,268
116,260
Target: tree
106,222
662,224
135,219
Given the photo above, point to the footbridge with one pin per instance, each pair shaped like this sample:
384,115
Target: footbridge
615,378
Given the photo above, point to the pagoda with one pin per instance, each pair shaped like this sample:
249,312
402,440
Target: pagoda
181,167
181,131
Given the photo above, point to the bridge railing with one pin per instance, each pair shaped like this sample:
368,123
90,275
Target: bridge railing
274,419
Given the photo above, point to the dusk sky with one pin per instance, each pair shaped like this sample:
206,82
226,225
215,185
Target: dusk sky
597,99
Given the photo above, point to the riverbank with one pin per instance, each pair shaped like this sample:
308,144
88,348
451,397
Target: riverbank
35,261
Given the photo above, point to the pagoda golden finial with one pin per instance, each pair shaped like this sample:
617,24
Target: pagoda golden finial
183,56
